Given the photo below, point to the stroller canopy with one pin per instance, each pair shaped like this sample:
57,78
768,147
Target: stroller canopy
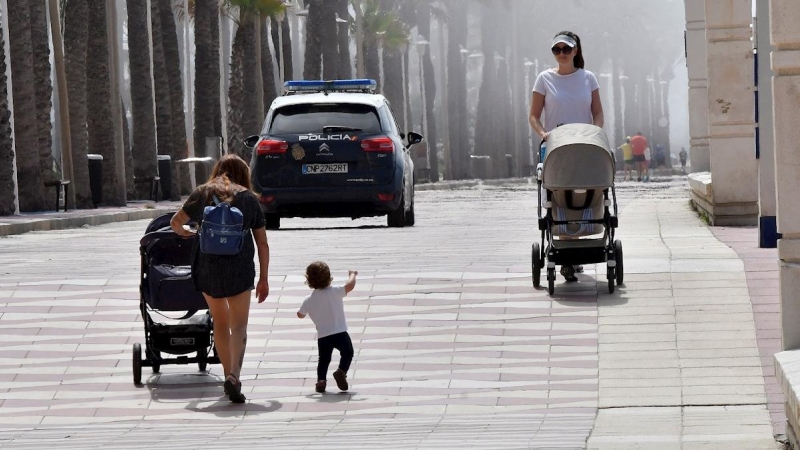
578,157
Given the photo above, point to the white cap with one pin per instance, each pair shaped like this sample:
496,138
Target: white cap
565,39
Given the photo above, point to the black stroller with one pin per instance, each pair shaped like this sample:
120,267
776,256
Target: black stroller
166,286
577,205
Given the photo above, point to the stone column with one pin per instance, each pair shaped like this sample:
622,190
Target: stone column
767,226
785,15
697,65
731,105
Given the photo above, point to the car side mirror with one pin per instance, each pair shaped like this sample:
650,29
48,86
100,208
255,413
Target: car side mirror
414,138
251,141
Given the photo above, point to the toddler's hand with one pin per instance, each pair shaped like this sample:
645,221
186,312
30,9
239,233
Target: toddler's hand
352,273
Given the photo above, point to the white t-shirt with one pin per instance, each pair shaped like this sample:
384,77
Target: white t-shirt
325,307
567,98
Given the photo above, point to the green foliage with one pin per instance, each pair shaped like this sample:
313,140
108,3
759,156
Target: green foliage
381,21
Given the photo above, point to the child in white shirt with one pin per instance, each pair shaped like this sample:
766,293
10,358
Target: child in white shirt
325,306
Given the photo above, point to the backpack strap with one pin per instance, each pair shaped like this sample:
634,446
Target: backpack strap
216,199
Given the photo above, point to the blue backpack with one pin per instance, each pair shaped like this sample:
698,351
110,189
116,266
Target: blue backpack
222,230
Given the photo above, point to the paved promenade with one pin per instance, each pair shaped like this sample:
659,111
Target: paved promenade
454,348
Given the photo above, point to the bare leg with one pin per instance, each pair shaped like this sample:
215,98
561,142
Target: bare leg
222,330
239,312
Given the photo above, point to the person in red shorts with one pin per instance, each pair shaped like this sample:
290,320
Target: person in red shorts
639,145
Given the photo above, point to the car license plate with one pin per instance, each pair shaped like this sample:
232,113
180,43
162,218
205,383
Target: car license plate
313,169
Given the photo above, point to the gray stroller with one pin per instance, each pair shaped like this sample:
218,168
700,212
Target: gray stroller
577,205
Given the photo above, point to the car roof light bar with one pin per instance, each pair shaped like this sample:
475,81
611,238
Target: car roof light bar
307,86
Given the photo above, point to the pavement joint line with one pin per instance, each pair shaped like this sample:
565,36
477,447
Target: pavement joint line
687,405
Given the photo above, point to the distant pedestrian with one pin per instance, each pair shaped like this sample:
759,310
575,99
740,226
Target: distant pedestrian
627,152
227,280
325,307
566,94
639,145
682,155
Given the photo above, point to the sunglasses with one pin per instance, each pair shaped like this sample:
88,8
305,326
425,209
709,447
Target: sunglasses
565,49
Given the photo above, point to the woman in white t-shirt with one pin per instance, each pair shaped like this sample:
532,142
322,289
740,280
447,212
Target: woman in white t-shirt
566,94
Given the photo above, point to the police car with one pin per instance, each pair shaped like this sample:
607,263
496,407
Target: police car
333,149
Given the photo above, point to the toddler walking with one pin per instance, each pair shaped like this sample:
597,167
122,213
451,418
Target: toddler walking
325,306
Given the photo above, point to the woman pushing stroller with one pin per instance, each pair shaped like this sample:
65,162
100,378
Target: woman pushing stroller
566,94
226,281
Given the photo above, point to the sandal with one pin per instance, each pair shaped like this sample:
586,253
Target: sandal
233,388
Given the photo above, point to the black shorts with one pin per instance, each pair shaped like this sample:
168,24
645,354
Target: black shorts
639,158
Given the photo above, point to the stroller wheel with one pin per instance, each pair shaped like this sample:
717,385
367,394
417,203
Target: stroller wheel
536,265
611,279
137,364
202,361
618,255
551,281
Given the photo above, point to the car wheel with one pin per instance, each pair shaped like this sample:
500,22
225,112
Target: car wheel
273,221
397,218
410,213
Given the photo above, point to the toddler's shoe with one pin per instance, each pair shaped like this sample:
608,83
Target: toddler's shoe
321,385
341,379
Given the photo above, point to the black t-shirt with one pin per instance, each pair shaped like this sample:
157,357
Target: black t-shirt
218,275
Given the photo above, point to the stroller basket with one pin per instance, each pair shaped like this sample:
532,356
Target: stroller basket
182,338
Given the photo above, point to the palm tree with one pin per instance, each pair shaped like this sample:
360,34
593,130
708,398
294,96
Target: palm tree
267,76
314,37
29,176
328,30
169,40
40,40
7,191
424,27
247,102
345,66
164,133
142,102
76,32
100,116
207,119
457,88
285,36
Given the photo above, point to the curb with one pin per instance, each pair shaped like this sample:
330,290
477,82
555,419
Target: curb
462,184
62,223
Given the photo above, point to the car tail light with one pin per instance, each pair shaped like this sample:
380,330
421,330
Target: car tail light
271,147
267,199
378,145
385,197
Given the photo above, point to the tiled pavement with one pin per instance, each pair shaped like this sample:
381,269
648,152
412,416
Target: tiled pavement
454,347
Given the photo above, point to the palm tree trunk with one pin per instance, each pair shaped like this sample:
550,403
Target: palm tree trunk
372,62
99,118
76,32
236,92
163,99
267,75
314,26
393,86
286,36
345,67
29,176
330,42
616,86
424,24
40,40
63,99
172,61
457,86
143,149
207,80
8,197
252,103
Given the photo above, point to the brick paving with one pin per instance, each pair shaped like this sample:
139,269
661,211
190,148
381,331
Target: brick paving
454,348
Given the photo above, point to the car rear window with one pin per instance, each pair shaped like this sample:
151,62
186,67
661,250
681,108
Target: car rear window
312,118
